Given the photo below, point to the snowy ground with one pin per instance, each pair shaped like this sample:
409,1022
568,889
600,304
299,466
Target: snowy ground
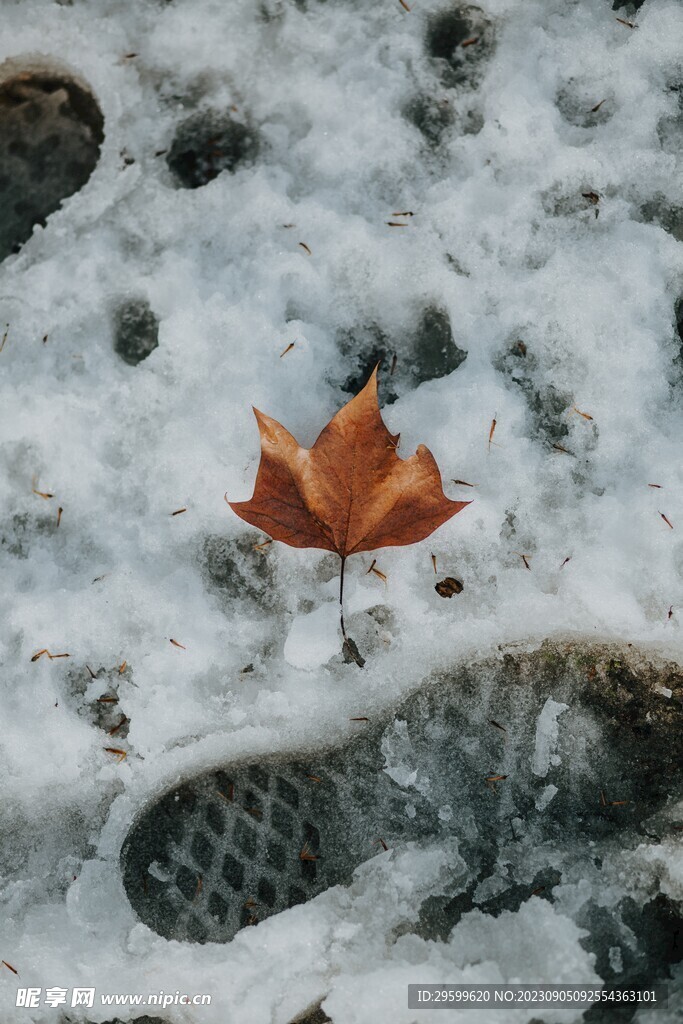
537,219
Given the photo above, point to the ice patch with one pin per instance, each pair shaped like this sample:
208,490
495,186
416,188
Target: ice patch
547,732
156,871
398,755
545,797
616,960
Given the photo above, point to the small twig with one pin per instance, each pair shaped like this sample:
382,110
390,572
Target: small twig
52,657
492,430
376,572
121,755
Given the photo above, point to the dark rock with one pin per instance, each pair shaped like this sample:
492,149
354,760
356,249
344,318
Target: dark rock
136,331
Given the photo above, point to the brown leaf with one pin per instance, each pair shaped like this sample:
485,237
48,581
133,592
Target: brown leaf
350,492
448,587
351,653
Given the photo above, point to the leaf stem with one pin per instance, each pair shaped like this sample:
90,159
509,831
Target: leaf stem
351,652
341,597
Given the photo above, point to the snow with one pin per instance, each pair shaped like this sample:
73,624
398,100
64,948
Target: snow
503,241
314,638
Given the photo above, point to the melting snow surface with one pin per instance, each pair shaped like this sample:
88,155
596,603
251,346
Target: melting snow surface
546,228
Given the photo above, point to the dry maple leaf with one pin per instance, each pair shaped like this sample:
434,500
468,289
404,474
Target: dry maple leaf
350,492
